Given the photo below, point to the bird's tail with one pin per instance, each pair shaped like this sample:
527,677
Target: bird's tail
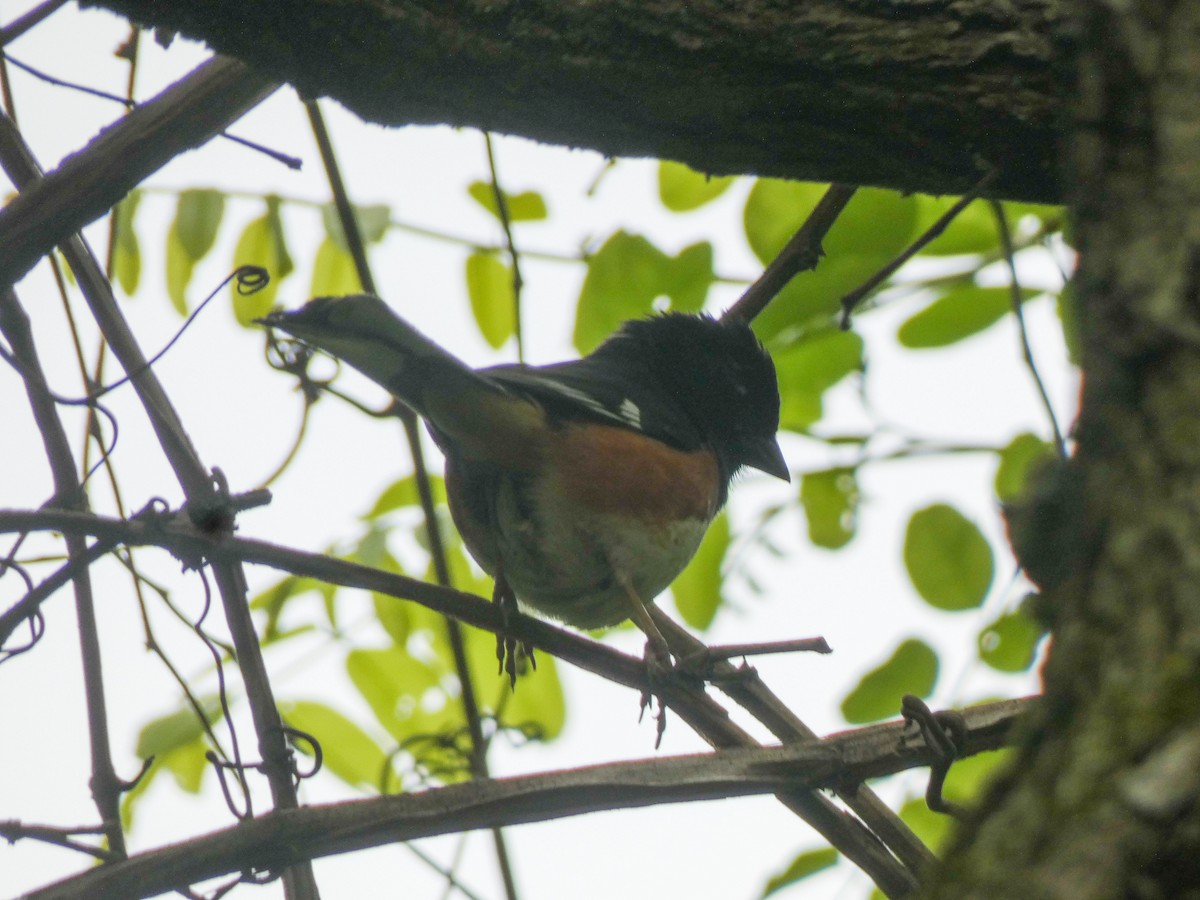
362,331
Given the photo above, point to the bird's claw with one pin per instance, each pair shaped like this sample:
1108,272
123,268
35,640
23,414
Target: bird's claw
511,653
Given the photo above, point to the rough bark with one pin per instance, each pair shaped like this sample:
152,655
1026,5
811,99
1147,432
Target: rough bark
918,95
1104,801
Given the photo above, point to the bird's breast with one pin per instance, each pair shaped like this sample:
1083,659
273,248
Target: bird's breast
614,501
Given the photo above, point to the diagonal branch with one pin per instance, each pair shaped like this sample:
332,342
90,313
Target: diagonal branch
68,494
208,500
800,254
91,182
690,702
283,838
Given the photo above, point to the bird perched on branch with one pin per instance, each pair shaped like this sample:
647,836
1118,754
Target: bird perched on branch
583,487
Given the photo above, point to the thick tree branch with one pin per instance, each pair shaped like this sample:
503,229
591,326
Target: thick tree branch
1103,799
918,95
91,182
689,701
285,837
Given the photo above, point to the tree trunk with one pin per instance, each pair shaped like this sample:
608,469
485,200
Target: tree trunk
917,95
1102,801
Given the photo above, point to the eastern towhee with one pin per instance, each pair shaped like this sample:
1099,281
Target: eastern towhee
583,487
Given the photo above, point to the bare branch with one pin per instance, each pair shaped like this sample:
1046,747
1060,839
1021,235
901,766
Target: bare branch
800,254
89,183
283,838
911,95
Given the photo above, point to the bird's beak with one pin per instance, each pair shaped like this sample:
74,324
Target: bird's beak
764,454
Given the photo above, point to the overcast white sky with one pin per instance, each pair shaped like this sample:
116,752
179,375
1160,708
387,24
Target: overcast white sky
242,417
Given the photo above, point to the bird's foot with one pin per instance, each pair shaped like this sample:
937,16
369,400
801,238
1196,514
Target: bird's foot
514,656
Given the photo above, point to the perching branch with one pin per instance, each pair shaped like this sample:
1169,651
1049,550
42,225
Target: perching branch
688,701
285,837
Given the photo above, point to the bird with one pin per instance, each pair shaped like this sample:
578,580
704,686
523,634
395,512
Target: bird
582,487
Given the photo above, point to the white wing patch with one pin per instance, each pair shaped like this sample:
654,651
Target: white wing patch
581,397
629,411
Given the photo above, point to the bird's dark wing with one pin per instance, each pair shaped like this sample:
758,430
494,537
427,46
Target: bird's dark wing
594,389
475,416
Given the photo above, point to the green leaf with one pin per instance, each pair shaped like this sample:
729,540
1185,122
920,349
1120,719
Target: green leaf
959,313
687,277
538,706
830,501
274,598
934,829
193,232
973,230
876,223
372,220
1016,461
774,211
808,368
528,206
174,730
808,863
873,228
394,618
187,764
372,549
403,492
1068,315
1010,643
127,254
179,273
490,289
334,273
197,219
395,683
680,188
912,669
262,244
948,560
969,776
697,590
623,278
347,750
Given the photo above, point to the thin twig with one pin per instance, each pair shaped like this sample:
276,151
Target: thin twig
91,182
34,17
208,506
106,786
851,300
1006,242
341,198
510,243
800,253
60,837
349,222
767,648
292,162
745,688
